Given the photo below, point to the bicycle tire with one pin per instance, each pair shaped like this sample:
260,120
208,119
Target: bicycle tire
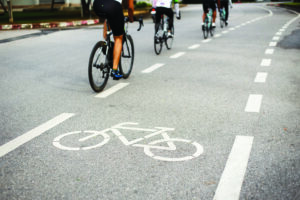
158,44
205,31
98,70
169,40
212,31
127,57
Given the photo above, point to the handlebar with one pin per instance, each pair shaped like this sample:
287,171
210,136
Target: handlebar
140,20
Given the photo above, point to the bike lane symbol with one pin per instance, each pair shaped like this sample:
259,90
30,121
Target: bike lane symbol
131,126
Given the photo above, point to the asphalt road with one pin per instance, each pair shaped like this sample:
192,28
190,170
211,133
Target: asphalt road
228,107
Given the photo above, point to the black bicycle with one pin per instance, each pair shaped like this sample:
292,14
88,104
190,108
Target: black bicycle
208,28
101,58
162,35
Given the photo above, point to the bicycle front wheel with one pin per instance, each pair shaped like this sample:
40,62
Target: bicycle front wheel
98,70
127,56
169,40
205,31
158,40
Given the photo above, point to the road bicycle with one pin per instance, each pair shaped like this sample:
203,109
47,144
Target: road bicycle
208,28
222,17
101,58
91,139
162,35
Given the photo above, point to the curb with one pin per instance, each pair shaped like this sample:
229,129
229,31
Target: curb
49,25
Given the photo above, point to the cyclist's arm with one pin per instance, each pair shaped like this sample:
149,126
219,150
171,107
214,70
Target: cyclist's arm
130,10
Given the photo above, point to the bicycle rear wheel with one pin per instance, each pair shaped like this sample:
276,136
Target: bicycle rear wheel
212,31
98,70
127,56
158,40
169,40
222,22
205,31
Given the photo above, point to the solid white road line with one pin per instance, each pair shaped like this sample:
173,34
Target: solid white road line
261,77
111,90
253,103
269,51
231,181
26,137
177,55
273,44
195,46
265,62
152,68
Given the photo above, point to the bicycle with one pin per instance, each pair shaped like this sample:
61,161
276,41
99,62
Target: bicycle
162,35
222,17
90,139
101,58
208,24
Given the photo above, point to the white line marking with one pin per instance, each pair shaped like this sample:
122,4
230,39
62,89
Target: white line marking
177,55
232,29
269,51
282,29
26,137
152,68
218,35
111,90
207,40
224,32
238,26
195,46
254,102
275,38
278,33
265,62
261,77
232,178
273,44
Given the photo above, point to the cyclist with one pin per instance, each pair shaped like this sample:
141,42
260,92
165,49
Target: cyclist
165,7
113,12
225,4
210,4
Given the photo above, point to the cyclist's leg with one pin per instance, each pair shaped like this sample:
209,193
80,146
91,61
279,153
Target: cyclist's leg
158,14
169,12
227,11
213,7
115,19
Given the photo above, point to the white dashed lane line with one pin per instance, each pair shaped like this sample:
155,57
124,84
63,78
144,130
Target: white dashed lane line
152,68
261,77
265,62
273,44
177,55
26,137
232,178
269,51
111,90
195,46
254,103
275,38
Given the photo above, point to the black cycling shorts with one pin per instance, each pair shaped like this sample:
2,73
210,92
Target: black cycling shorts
211,5
113,12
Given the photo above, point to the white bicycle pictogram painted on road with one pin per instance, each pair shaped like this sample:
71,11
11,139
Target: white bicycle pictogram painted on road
57,142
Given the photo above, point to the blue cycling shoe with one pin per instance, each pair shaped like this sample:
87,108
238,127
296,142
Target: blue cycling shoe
116,74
